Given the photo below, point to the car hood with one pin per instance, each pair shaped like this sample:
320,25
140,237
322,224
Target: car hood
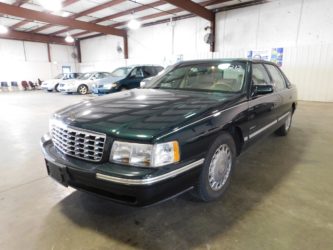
141,114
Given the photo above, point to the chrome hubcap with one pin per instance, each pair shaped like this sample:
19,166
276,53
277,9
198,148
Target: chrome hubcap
83,90
220,167
288,122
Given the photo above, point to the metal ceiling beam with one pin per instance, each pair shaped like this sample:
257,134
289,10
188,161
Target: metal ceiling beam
119,14
159,14
63,21
84,13
194,8
23,22
20,2
26,36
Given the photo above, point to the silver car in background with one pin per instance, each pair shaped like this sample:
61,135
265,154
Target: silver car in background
83,84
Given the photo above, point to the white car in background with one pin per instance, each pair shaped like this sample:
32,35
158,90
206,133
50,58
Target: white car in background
83,84
53,84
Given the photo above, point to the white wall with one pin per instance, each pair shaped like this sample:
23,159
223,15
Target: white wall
29,60
302,27
100,53
155,45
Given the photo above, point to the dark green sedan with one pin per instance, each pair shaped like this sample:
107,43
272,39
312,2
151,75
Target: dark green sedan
180,133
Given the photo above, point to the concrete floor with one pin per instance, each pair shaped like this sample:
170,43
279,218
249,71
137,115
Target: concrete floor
281,196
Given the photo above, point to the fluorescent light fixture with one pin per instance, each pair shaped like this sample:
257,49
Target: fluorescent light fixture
65,14
134,24
3,29
52,5
69,38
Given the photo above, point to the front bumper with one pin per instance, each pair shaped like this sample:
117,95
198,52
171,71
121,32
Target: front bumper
123,184
101,91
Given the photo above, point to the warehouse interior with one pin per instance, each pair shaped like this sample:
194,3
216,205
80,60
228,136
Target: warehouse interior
281,193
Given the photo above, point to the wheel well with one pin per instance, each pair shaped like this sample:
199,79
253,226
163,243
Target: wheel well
293,106
237,135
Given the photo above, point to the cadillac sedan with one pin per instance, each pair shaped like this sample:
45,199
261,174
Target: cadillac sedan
182,132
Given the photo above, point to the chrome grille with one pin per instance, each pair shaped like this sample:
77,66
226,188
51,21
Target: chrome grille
78,143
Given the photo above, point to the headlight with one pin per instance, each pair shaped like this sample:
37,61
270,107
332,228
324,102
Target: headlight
145,155
110,85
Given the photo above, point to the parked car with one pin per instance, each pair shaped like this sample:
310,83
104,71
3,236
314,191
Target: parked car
83,84
182,133
125,78
53,84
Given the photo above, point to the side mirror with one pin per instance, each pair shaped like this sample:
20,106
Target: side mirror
262,89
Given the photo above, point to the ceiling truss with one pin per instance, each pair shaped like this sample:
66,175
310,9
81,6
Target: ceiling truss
95,27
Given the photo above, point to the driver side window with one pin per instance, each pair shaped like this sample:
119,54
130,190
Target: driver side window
259,75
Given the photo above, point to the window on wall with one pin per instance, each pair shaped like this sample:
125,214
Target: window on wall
66,69
278,79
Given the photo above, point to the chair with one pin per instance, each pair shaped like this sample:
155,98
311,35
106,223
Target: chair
4,85
14,84
25,85
32,85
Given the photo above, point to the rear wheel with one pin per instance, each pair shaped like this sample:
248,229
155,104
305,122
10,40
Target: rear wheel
284,129
82,89
216,173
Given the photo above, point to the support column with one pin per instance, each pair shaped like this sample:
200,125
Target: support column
49,52
78,48
125,47
212,44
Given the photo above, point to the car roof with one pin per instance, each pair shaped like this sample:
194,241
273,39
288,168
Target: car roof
143,65
184,63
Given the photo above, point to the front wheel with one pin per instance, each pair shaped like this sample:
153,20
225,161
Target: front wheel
82,89
284,129
56,88
216,173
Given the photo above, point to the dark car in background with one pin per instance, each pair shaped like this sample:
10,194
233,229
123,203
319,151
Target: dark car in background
183,132
125,78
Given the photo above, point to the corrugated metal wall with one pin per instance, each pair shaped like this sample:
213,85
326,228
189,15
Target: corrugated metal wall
310,68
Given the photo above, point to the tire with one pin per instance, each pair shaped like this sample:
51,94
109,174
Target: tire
217,170
82,89
56,87
49,90
284,129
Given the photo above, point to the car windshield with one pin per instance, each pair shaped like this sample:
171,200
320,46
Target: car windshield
60,76
85,76
121,72
215,76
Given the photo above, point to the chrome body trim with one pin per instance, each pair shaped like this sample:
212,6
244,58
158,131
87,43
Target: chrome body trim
266,127
283,116
152,180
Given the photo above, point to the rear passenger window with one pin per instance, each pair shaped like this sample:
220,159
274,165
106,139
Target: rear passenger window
259,75
277,77
148,71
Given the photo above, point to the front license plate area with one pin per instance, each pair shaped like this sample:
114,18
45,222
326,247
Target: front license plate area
58,173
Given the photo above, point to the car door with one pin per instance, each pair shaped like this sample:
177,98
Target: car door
262,107
134,78
94,79
280,85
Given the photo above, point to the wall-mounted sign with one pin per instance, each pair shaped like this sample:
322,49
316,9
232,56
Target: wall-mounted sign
274,55
277,56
